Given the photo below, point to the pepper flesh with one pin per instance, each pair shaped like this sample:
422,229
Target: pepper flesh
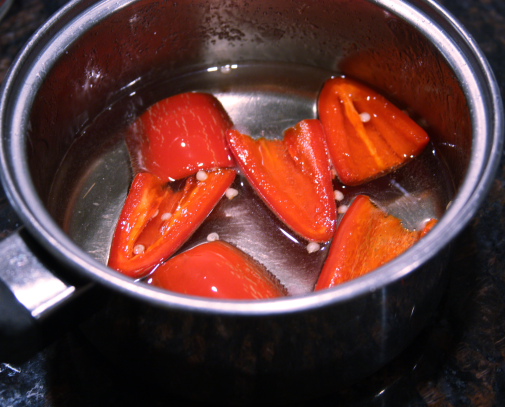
367,135
157,219
180,135
217,270
366,238
292,176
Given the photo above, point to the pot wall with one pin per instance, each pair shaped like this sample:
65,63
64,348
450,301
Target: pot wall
318,340
153,40
286,358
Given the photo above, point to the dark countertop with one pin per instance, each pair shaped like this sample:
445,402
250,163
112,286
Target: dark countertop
459,360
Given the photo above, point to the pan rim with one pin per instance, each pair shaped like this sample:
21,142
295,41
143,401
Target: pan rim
457,45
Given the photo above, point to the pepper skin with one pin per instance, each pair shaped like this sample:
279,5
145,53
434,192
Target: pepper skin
180,135
292,176
367,135
157,219
217,270
366,238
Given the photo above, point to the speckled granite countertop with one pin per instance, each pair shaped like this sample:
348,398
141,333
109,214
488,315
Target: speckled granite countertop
459,360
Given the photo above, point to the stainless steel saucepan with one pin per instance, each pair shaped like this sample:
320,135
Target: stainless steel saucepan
97,64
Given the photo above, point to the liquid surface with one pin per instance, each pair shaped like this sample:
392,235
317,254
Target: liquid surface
262,100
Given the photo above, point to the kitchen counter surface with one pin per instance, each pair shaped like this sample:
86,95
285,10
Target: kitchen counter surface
459,360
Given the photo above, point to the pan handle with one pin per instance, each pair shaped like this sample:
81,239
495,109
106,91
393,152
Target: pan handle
36,304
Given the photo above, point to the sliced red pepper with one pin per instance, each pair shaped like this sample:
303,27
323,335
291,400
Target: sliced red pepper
157,219
292,176
180,135
217,270
367,135
366,238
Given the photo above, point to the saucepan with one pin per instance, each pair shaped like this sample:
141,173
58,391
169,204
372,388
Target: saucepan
95,65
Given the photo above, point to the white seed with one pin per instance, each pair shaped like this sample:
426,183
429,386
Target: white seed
166,216
212,237
201,175
365,117
338,195
231,193
313,247
342,209
225,69
139,249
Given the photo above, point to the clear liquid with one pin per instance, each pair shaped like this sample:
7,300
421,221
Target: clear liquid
262,100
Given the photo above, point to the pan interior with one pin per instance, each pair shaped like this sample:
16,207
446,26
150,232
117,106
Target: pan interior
263,100
253,57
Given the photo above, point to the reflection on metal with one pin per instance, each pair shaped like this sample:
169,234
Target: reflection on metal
4,7
36,288
97,203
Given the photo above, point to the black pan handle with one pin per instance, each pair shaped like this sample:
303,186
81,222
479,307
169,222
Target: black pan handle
19,333
37,304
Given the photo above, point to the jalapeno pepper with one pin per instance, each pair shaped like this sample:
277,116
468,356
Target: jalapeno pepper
217,270
158,218
367,135
292,176
366,238
180,135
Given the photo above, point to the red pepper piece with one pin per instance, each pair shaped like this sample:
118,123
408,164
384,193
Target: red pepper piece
156,219
217,270
367,135
366,238
180,135
292,176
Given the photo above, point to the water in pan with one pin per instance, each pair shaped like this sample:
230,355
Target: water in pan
262,100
